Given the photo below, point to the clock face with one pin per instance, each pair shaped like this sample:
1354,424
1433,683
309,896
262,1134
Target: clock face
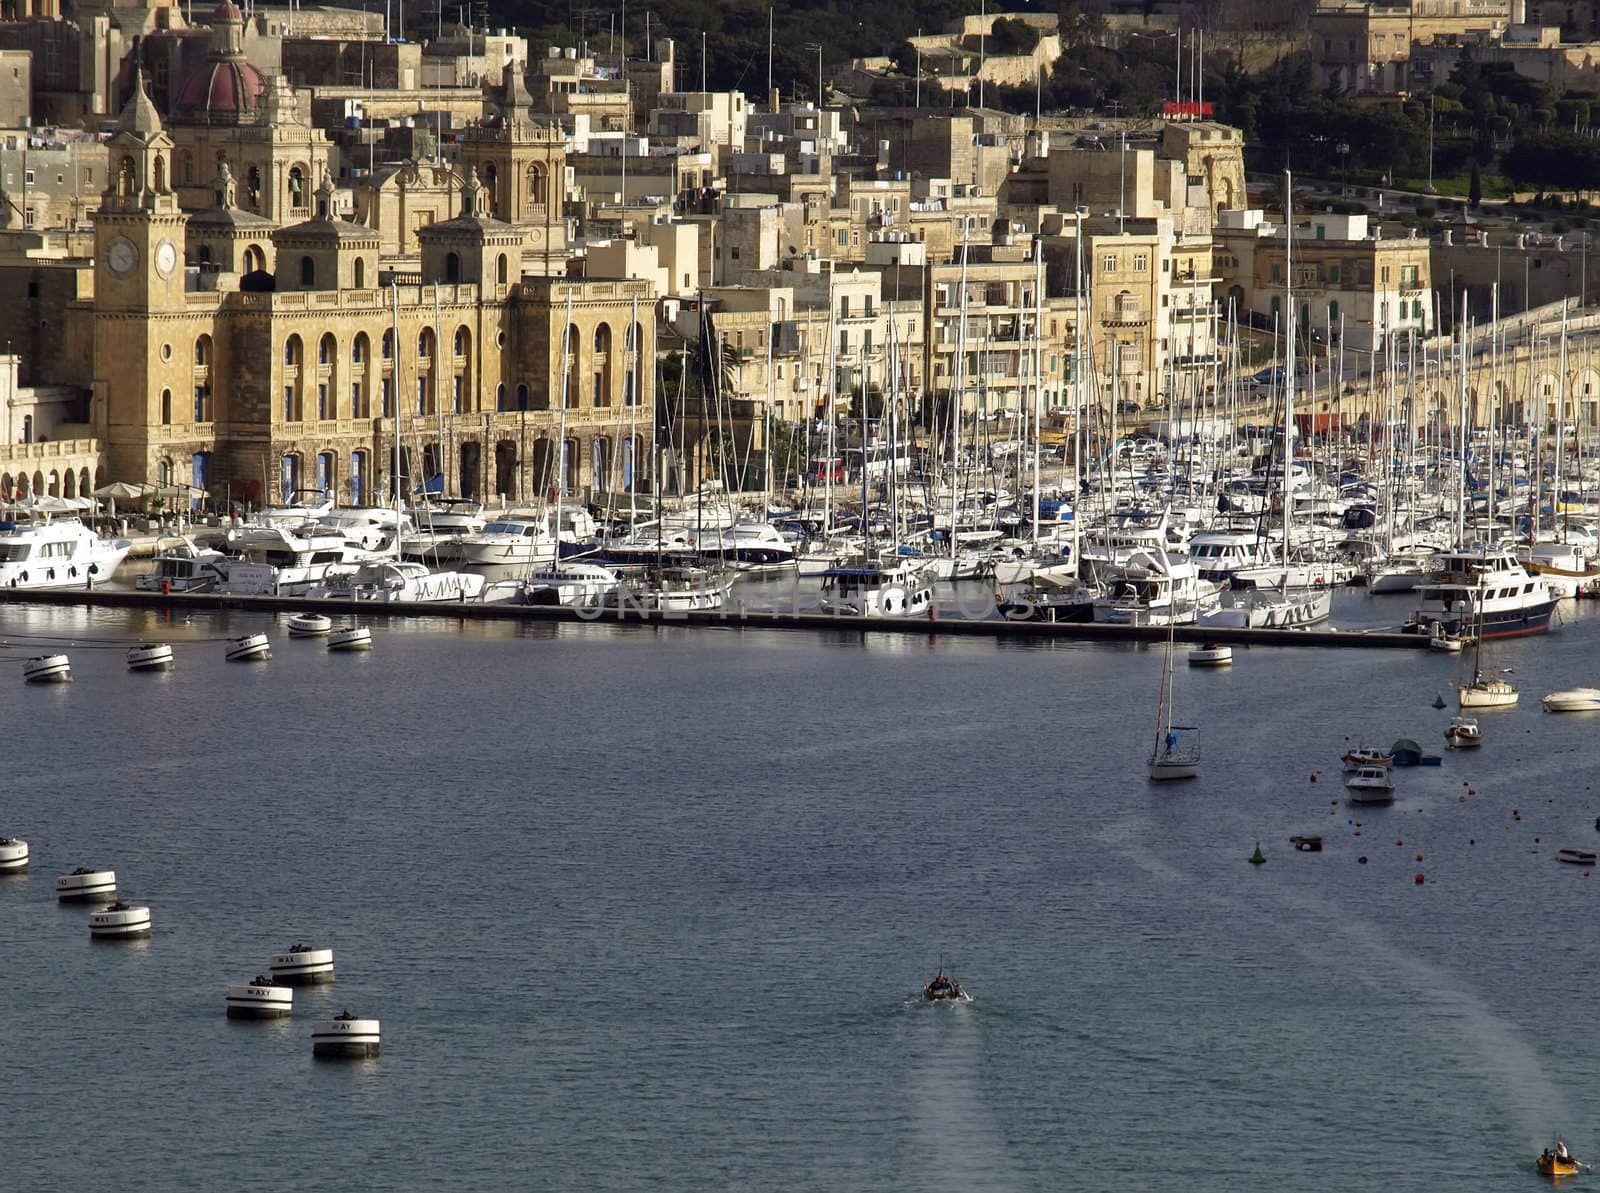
122,256
166,258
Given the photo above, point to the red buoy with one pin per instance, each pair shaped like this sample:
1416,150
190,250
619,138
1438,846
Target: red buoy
1419,879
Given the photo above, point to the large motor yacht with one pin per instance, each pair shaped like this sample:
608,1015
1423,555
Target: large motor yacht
40,551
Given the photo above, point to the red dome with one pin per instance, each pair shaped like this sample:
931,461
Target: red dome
226,90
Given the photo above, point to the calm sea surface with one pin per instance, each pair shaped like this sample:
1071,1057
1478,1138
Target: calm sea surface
649,908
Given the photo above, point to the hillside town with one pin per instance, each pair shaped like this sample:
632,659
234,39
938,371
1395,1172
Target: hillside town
244,254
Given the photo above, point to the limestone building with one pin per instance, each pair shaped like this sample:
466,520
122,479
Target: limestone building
252,385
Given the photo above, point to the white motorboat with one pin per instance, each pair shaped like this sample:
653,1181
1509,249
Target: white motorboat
41,551
1270,609
187,567
48,668
670,589
1217,555
309,625
260,998
302,506
119,921
345,1036
1154,588
287,562
302,965
1370,785
85,883
350,638
13,854
249,649
527,540
896,589
1442,640
1572,700
1463,733
440,527
372,528
151,656
753,548
1209,655
570,582
398,580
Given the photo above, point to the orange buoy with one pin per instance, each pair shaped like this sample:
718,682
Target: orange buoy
1419,857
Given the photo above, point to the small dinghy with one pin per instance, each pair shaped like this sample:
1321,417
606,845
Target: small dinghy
249,649
1463,733
119,922
85,883
303,965
260,998
355,637
309,625
13,854
153,656
944,989
1442,639
1558,1162
1207,655
1576,857
48,668
345,1036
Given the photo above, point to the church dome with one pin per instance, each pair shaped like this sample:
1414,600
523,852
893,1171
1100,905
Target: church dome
226,88
222,90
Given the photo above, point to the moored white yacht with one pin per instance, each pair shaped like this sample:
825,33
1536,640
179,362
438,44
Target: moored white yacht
1483,590
570,582
285,562
1154,587
865,589
397,580
41,551
186,567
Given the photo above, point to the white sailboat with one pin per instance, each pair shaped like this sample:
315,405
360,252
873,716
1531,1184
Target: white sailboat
1177,747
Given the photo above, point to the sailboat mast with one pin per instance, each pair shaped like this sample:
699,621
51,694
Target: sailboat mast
1038,363
561,433
394,362
1288,370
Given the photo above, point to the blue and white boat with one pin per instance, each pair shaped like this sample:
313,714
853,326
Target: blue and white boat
1486,591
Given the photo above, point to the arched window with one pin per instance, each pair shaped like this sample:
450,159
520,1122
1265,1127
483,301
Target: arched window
252,186
463,341
572,389
452,268
632,374
522,397
326,348
127,178
536,186
500,269
166,408
160,175
600,462
202,351
388,345
254,260
291,351
360,278
186,166
204,254
425,342
297,187
602,365
308,272
358,349
500,397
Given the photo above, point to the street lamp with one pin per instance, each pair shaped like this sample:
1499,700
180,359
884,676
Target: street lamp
1343,149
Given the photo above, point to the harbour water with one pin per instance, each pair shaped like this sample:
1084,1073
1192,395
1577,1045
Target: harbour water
650,907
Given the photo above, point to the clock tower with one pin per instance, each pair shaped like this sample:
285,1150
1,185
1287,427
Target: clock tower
139,230
144,404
